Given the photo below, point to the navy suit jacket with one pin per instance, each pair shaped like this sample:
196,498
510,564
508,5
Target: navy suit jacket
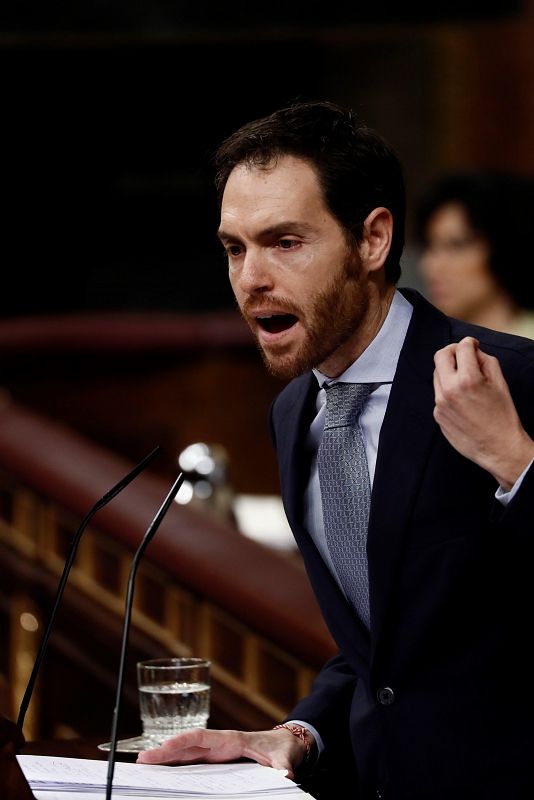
438,700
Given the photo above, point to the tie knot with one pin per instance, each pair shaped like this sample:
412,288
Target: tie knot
344,403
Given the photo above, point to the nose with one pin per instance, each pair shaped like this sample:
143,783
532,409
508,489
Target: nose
254,275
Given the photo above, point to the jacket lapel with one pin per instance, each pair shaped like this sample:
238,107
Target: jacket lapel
405,440
291,429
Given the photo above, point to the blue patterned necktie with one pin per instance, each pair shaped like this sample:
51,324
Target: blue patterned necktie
346,490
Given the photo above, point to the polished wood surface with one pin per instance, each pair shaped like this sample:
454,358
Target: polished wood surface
72,748
13,784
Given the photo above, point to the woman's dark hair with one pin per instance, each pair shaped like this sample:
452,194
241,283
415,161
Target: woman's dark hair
357,169
499,207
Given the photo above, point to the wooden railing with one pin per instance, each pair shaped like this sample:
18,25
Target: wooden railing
202,589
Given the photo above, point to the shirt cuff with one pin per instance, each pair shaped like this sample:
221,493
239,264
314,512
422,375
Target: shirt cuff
318,741
504,497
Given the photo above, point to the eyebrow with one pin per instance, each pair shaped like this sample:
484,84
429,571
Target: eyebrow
273,230
223,235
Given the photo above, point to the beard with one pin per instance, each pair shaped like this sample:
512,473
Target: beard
335,314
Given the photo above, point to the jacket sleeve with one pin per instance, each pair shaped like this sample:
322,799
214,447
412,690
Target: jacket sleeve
327,706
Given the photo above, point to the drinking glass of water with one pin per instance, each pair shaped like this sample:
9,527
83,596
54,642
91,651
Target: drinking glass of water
174,695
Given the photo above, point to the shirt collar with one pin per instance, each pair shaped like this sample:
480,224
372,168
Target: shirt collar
378,362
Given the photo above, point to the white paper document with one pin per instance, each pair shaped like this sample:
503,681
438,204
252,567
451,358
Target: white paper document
51,777
101,795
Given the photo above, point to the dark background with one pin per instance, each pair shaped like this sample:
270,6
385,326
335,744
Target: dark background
112,110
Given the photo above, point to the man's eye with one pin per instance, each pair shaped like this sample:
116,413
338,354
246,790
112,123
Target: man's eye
233,250
286,244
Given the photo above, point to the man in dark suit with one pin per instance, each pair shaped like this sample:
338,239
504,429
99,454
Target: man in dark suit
429,697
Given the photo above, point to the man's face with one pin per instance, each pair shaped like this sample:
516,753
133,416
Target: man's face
300,288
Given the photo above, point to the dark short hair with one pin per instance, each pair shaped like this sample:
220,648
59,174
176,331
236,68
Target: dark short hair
357,169
499,207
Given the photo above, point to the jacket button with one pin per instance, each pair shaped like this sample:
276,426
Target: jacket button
386,696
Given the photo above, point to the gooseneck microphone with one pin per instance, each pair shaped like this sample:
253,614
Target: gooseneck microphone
113,492
151,530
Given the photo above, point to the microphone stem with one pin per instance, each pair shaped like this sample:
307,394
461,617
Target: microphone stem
46,635
154,525
65,574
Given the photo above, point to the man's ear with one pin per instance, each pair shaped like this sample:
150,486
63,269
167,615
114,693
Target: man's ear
376,238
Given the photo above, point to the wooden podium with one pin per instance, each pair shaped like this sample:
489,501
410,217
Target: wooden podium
14,785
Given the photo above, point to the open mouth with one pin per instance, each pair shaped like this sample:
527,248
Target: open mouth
276,323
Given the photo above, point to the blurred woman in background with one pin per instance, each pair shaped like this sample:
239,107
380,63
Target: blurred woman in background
474,230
